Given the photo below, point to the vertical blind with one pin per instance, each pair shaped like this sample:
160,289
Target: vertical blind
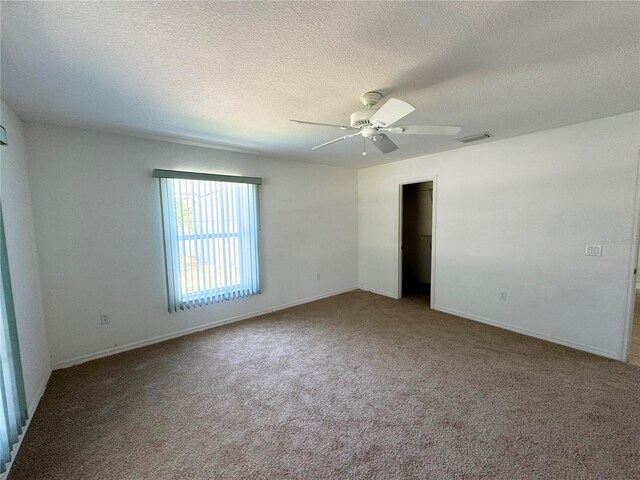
211,237
13,416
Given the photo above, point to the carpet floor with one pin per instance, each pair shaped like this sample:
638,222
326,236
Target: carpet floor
356,386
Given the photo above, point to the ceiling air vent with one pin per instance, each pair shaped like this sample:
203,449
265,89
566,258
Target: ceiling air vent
475,138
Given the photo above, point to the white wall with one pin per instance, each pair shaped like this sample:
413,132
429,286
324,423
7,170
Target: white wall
23,266
98,231
515,216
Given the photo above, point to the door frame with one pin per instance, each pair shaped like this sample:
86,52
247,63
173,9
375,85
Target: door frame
631,288
434,203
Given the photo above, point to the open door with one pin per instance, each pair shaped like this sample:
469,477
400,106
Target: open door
416,240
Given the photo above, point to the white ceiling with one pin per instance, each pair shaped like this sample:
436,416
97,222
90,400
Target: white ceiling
235,73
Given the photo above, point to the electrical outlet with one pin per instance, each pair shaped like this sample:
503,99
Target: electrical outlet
503,296
593,250
104,319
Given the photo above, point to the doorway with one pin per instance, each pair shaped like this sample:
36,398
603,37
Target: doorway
416,242
634,346
631,346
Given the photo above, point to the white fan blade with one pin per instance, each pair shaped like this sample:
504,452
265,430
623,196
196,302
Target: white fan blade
341,127
425,129
384,143
392,111
336,140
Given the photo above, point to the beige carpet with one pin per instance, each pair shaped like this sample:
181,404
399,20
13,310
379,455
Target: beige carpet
356,386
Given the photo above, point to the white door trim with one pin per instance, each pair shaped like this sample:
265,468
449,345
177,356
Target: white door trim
631,290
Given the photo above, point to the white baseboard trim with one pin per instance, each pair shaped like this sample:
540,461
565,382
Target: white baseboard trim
379,292
180,333
530,333
32,410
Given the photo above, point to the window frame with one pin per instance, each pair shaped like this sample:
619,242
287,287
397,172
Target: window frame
248,281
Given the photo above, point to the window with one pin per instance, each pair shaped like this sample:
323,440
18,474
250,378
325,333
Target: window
211,230
13,405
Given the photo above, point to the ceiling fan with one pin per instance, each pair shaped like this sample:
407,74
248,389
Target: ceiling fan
374,123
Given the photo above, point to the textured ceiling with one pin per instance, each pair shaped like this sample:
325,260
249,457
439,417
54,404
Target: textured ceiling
234,73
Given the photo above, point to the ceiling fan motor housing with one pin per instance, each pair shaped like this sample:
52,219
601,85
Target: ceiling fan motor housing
361,118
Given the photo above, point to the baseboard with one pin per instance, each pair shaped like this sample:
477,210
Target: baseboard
530,333
379,292
43,386
180,333
32,410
